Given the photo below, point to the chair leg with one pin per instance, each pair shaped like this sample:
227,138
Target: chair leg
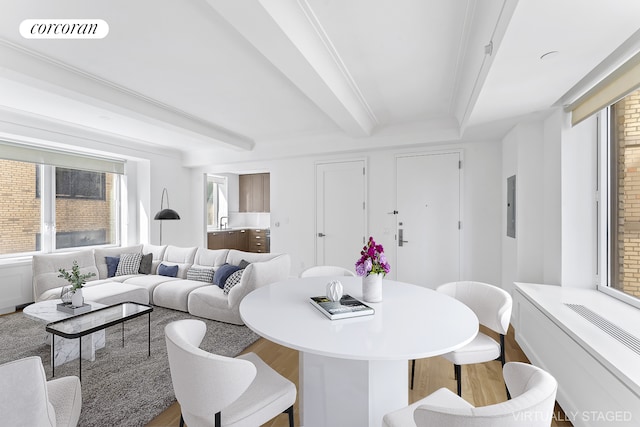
289,411
503,360
458,372
413,371
181,421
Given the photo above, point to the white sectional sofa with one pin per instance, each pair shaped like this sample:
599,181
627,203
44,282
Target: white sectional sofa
196,296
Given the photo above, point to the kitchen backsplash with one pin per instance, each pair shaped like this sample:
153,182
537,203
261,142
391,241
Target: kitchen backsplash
249,219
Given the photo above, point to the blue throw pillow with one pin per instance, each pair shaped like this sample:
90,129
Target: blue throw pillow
168,270
112,265
223,273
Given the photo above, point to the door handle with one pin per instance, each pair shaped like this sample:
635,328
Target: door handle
321,234
401,242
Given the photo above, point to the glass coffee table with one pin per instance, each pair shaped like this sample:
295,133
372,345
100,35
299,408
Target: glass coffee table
87,323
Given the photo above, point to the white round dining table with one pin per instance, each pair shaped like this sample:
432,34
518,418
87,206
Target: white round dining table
354,370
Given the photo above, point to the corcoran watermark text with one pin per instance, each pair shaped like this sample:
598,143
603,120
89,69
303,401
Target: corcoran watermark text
64,29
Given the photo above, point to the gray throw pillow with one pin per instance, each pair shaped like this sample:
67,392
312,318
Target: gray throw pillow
145,264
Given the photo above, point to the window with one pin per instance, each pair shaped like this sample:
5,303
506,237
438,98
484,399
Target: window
623,175
76,184
217,207
44,208
19,208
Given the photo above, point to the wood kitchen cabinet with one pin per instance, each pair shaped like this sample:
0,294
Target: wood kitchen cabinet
259,241
248,240
255,192
228,239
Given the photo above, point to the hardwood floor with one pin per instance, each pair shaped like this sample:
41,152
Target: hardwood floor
482,384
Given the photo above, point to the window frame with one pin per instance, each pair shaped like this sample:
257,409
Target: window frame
606,204
220,181
46,192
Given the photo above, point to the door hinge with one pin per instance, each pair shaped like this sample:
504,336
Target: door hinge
363,173
459,164
459,225
363,208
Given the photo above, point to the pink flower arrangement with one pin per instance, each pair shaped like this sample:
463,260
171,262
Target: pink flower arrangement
372,260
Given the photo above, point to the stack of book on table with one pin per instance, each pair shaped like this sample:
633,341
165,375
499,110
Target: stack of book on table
348,306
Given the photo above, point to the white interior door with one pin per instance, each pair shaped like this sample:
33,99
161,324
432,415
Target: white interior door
428,205
340,216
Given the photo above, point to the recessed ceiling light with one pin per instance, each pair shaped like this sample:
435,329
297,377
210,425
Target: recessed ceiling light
549,54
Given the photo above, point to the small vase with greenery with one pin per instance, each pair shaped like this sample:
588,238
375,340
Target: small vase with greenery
76,279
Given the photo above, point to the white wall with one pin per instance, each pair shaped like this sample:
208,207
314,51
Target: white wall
293,204
555,168
529,156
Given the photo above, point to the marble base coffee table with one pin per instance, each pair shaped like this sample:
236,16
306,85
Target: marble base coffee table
64,349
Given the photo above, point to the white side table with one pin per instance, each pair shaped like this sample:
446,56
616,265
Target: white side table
65,350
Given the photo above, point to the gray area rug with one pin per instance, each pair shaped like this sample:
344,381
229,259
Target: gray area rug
122,387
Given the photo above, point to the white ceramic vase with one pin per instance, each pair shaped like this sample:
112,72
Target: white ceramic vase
372,288
334,290
77,299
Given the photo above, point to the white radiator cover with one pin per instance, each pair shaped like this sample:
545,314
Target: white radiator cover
15,285
598,376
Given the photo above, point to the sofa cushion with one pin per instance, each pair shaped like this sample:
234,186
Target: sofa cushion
149,282
45,270
223,273
100,254
158,254
175,294
54,293
235,257
202,274
112,265
233,280
210,257
146,263
182,257
210,302
167,270
114,292
129,264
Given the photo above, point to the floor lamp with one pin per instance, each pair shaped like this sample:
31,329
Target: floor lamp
165,214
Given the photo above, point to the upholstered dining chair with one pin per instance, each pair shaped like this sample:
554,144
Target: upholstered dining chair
326,271
533,392
492,306
215,390
28,399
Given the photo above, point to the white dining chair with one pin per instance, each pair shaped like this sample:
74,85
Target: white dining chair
492,306
326,271
533,392
215,390
28,399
